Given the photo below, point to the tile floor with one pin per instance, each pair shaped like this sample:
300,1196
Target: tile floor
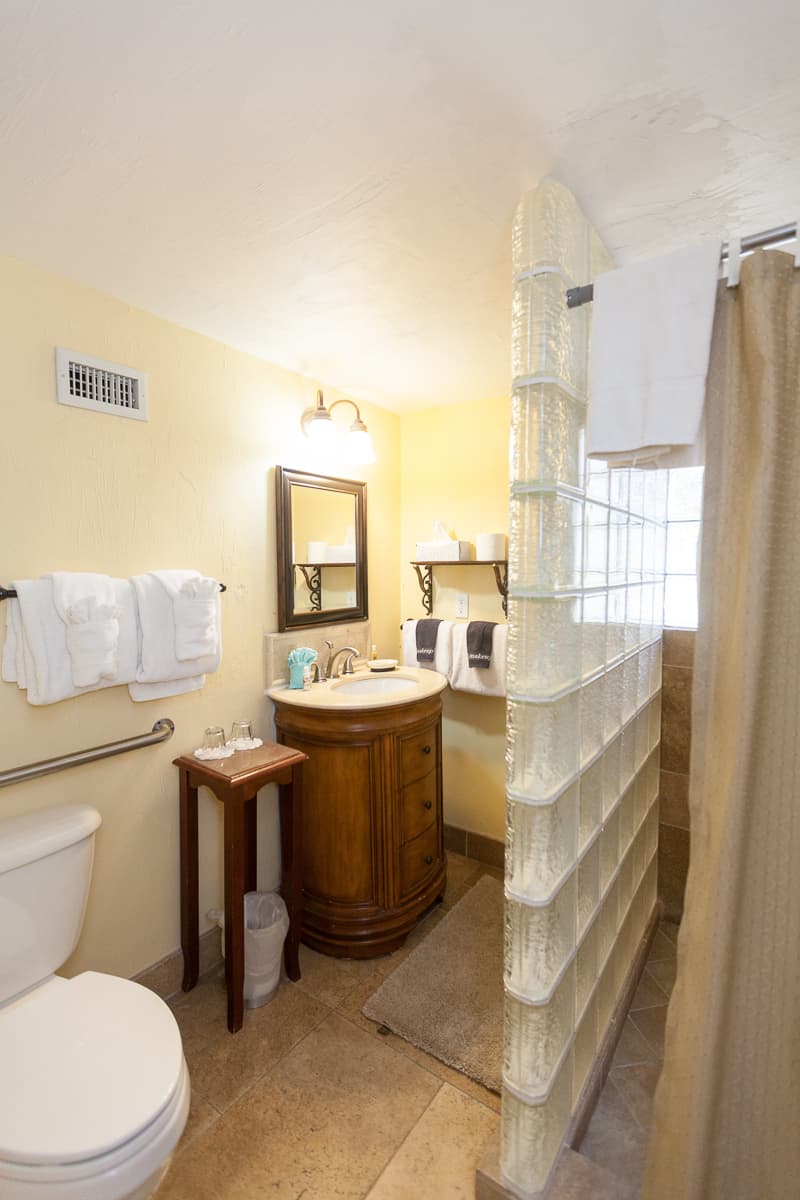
616,1139
309,1101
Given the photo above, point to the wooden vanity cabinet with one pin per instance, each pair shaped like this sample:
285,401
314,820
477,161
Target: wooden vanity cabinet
373,836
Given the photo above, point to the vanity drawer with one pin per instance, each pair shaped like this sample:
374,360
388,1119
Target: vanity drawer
419,754
417,806
418,859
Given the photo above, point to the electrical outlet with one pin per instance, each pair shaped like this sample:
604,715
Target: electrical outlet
462,604
350,600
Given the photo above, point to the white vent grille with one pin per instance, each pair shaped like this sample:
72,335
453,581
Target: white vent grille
86,382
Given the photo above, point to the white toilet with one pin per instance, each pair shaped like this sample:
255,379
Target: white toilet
94,1090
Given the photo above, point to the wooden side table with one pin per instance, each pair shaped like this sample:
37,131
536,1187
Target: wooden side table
235,782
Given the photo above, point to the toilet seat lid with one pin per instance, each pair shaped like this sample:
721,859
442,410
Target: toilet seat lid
87,1063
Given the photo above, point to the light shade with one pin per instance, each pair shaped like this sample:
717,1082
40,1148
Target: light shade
355,448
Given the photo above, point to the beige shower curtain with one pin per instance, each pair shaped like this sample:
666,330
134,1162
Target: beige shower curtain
727,1109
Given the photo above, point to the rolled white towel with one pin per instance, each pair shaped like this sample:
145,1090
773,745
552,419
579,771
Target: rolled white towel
196,613
93,641
86,604
43,663
158,660
13,654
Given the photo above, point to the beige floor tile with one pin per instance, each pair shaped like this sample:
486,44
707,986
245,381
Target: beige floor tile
329,979
650,1022
322,1125
632,1047
614,1140
649,993
578,1178
202,1116
637,1087
223,1065
664,972
437,1160
351,1009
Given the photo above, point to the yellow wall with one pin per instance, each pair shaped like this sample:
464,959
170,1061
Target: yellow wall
455,469
193,487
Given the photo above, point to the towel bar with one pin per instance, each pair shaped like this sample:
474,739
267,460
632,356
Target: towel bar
10,593
161,732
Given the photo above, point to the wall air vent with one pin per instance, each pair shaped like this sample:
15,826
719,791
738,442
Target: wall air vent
86,382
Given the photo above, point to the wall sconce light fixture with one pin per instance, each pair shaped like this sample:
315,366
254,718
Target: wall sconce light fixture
319,428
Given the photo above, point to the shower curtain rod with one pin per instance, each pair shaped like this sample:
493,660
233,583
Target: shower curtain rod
769,237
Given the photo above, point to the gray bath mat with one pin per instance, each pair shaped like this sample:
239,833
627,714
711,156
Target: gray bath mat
447,996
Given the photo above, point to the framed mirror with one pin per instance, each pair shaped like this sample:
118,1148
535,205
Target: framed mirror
322,549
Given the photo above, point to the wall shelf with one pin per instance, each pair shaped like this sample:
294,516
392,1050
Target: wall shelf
425,576
312,574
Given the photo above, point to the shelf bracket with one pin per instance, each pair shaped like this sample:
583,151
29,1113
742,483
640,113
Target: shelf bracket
425,577
501,579
313,578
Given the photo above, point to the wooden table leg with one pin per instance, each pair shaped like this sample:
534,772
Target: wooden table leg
291,811
234,823
190,922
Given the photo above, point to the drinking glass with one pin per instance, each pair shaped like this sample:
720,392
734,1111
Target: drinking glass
214,738
241,732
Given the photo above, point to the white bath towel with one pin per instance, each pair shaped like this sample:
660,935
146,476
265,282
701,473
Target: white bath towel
196,612
42,663
13,658
651,338
442,656
158,661
85,603
487,681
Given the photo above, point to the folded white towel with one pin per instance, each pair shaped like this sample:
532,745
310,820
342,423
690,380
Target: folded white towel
651,339
85,603
158,660
13,658
487,681
442,656
196,612
42,663
92,641
169,687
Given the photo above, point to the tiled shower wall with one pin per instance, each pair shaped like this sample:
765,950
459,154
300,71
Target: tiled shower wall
676,744
586,570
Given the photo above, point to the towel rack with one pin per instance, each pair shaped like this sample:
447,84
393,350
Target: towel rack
161,732
10,593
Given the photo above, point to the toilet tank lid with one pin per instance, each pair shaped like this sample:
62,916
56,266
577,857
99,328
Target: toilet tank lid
34,835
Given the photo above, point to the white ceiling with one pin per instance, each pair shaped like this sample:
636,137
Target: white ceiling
330,185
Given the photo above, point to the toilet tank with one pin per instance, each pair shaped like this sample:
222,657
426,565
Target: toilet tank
45,870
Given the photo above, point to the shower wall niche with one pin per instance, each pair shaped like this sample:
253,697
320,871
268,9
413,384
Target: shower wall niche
586,585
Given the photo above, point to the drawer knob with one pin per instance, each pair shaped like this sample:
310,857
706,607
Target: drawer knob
428,804
426,749
428,859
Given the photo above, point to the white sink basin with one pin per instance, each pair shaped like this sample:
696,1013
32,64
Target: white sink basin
365,689
371,685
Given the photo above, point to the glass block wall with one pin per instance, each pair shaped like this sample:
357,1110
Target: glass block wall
586,586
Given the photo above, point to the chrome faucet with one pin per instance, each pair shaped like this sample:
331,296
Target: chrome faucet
347,669
324,673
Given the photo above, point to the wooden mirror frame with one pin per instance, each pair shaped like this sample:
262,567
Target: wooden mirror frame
285,477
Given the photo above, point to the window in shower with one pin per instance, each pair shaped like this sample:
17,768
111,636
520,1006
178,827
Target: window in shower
684,507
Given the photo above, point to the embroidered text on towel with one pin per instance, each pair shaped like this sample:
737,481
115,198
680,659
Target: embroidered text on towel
479,643
427,632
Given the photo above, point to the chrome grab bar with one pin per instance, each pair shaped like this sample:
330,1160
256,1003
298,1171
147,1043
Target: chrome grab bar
161,732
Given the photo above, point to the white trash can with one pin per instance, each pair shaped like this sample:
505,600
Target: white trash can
266,923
